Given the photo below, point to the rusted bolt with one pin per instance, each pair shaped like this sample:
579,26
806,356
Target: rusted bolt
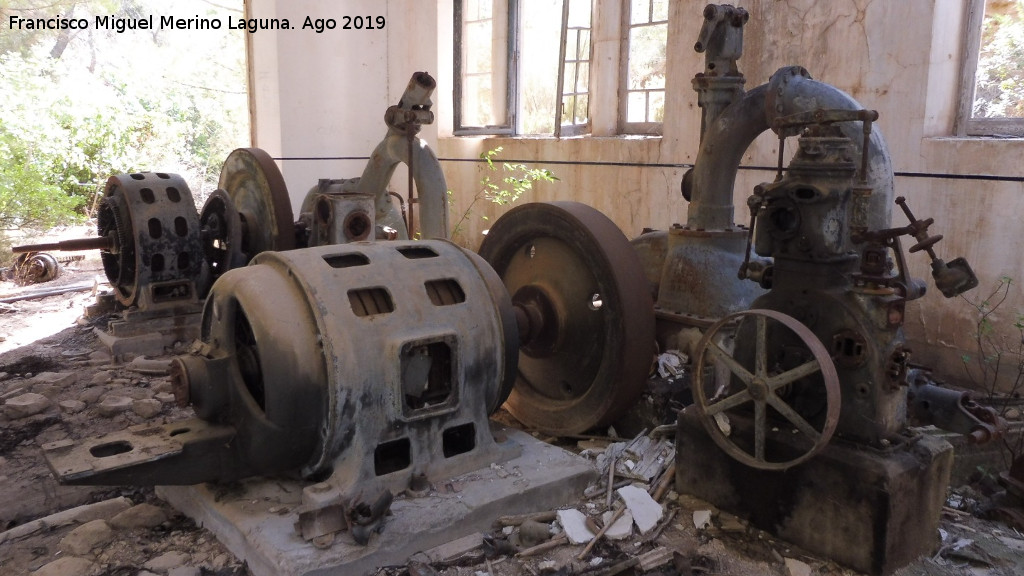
419,486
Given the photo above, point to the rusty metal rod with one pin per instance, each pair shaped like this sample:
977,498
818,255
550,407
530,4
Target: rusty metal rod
611,484
590,545
99,243
544,547
80,287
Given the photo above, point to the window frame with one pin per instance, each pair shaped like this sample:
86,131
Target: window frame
573,129
625,127
509,126
965,124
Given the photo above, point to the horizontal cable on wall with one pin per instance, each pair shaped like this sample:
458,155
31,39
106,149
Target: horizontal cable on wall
932,175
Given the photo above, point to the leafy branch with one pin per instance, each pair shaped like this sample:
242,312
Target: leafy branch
995,350
991,346
505,191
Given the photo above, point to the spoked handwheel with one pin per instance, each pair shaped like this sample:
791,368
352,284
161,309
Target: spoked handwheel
584,311
256,188
759,381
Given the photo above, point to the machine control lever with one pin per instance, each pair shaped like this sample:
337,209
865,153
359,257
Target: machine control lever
955,277
952,278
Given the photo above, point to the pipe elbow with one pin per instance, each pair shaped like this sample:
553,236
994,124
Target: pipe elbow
790,90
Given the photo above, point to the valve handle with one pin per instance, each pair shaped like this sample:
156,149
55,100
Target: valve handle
926,244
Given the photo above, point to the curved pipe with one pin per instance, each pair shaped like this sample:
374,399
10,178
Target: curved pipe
789,91
432,189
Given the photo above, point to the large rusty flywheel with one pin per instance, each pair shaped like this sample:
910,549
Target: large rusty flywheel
584,310
257,190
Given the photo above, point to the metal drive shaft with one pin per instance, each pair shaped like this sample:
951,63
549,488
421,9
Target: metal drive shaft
100,243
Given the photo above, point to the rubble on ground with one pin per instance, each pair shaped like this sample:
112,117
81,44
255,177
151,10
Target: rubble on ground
637,523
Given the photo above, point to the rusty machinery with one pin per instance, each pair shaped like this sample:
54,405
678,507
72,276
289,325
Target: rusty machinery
372,367
161,256
802,377
148,234
812,351
34,268
251,212
369,365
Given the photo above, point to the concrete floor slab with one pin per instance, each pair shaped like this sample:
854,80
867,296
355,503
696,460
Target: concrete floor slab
255,519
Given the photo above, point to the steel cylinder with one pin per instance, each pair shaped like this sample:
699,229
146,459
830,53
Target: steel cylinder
394,352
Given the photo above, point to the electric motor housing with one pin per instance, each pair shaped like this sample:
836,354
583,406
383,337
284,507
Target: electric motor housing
157,257
375,357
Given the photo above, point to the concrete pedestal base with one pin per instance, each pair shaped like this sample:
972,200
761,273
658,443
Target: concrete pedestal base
256,522
149,333
874,511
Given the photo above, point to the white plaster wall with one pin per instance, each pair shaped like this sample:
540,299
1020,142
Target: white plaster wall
324,95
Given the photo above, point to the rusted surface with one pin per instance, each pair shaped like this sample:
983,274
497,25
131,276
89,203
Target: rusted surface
364,365
698,274
873,510
823,229
256,188
588,312
763,383
99,243
35,268
952,410
156,257
221,234
952,278
402,145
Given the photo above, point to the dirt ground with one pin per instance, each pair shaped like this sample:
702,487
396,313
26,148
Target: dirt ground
47,350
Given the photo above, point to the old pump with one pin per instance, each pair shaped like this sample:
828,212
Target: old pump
801,394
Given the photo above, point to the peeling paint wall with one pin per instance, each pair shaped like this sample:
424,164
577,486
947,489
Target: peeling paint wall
901,58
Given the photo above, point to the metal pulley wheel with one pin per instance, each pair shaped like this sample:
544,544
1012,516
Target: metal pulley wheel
760,378
155,255
584,311
256,188
35,268
221,234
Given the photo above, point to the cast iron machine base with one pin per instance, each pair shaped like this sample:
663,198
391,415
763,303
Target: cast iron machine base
872,510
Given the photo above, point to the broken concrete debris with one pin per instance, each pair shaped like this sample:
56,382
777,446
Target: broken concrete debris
25,405
619,529
574,523
531,533
112,405
82,540
797,568
147,407
143,515
702,519
67,566
71,406
672,364
646,511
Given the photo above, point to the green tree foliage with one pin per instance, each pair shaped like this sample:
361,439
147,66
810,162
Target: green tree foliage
77,107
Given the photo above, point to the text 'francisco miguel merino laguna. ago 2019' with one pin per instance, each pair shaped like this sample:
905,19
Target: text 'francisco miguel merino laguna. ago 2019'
150,22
